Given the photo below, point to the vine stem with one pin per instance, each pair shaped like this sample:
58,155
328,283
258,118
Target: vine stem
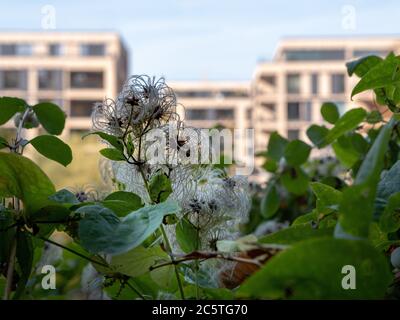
166,240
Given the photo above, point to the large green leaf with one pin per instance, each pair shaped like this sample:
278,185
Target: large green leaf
53,148
187,235
361,66
50,116
381,75
22,178
349,121
313,270
9,107
297,152
295,234
101,230
25,253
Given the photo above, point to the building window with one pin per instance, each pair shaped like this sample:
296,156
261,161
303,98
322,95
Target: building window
92,49
337,83
293,134
55,49
16,49
313,55
223,114
89,80
194,94
293,83
13,79
369,52
196,114
234,94
50,79
269,79
293,111
314,83
81,108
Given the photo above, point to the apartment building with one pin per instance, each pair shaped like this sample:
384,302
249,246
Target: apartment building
210,104
288,91
72,69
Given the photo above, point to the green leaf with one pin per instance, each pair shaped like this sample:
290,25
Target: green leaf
390,219
119,207
356,210
137,261
64,196
160,188
270,202
297,152
371,167
330,112
349,121
312,269
327,197
317,134
112,140
295,180
276,146
50,116
187,236
129,200
9,107
381,75
374,117
296,233
101,230
361,66
112,154
53,148
345,152
22,178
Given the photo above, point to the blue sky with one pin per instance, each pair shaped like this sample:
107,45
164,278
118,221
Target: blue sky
205,39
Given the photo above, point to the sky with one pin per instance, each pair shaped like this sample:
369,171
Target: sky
206,39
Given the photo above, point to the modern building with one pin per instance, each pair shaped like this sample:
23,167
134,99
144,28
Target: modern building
72,69
288,91
223,104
